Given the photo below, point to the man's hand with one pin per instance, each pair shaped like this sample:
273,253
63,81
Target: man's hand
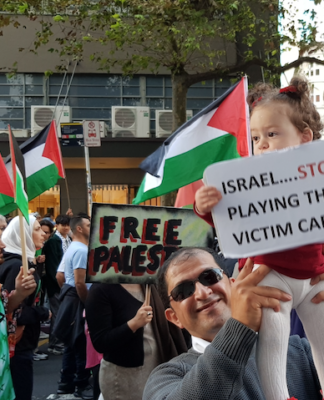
206,198
248,299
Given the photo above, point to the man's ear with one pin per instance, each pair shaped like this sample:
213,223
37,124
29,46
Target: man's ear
307,135
172,317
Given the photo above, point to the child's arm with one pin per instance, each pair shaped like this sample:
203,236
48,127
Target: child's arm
206,198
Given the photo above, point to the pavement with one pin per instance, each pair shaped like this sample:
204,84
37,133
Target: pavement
46,375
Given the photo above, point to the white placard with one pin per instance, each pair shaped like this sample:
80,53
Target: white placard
91,133
271,202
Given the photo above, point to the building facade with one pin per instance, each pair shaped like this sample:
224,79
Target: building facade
315,75
93,95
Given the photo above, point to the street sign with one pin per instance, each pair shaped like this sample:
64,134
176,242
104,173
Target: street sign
72,134
91,133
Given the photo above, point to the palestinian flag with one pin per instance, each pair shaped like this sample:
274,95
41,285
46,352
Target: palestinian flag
6,188
219,132
19,176
43,164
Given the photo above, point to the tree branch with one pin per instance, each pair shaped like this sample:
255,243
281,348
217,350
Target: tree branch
191,79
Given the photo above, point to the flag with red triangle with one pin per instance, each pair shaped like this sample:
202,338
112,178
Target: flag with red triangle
43,165
219,132
6,188
18,176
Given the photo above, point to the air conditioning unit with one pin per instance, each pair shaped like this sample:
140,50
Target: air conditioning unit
43,115
130,121
163,122
16,132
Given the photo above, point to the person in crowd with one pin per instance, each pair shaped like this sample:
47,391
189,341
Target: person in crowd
134,337
223,316
281,119
63,230
53,253
37,216
69,325
3,224
21,364
9,311
50,217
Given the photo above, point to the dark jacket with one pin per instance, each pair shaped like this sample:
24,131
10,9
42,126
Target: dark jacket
31,315
69,323
53,255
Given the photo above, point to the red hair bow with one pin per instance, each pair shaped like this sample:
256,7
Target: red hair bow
255,102
289,89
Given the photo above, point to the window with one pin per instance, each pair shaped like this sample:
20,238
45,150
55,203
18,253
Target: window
48,201
93,95
17,94
317,98
317,72
118,194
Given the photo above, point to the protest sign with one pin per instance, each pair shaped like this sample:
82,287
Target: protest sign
271,202
129,243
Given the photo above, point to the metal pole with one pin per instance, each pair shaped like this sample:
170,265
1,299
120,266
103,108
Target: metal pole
88,173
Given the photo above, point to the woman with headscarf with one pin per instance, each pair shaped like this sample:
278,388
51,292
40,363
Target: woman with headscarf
21,364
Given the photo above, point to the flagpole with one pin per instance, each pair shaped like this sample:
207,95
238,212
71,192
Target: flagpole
23,243
88,174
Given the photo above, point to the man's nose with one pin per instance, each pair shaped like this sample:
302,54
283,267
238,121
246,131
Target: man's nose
202,292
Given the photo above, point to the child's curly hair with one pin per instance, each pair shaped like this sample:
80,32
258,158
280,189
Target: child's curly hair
302,114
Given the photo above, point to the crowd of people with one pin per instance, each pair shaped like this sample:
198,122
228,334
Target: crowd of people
203,333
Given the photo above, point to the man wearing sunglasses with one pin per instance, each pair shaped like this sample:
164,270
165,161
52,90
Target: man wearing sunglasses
223,316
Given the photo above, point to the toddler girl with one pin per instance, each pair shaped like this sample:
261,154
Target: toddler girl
280,119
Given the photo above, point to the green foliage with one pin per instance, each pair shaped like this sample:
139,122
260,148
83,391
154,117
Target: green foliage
187,37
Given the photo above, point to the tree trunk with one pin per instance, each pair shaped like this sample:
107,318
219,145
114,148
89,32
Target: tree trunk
179,104
179,101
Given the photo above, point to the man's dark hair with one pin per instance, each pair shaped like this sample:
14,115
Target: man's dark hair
48,223
180,255
76,221
83,215
62,219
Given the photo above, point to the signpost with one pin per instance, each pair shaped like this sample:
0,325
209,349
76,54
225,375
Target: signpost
91,133
128,244
271,202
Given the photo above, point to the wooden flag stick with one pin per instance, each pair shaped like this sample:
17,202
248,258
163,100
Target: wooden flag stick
147,294
23,243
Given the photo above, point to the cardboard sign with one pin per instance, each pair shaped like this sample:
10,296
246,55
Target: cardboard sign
271,202
91,133
128,244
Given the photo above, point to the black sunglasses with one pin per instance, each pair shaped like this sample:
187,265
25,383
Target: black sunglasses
187,288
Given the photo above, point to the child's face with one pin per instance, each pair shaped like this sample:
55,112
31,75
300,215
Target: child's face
271,129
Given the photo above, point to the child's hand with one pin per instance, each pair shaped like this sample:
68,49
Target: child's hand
206,198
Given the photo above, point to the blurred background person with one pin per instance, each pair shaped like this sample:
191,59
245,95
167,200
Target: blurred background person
133,337
53,253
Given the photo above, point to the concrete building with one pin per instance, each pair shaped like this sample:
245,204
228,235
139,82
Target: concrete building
315,75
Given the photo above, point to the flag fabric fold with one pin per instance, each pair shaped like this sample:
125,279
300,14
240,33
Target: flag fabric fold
43,165
219,132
